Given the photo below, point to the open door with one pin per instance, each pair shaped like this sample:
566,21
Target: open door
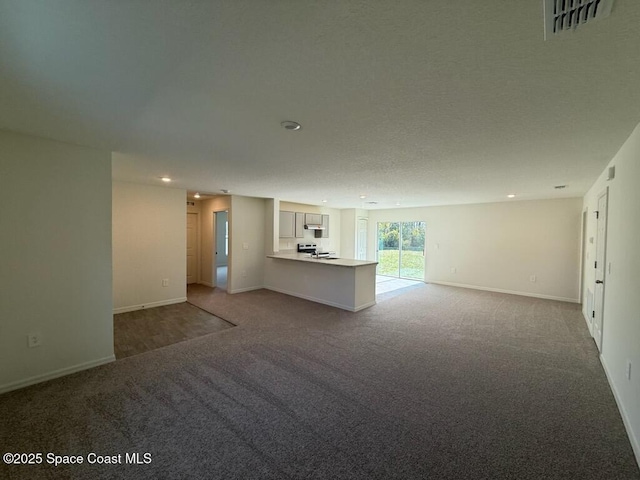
600,268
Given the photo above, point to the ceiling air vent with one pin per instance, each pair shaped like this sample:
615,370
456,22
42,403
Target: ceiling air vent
563,15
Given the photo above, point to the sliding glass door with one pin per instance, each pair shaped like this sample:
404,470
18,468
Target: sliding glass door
388,251
401,249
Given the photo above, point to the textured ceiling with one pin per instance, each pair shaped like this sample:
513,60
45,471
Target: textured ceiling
410,102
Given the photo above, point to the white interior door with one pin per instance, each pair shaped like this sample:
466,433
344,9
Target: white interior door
601,245
361,246
192,248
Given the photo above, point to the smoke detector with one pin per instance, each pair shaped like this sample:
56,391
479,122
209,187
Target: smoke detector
565,15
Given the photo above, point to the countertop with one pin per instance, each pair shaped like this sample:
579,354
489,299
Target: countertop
338,262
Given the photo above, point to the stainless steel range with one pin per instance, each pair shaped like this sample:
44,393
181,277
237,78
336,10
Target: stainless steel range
307,248
312,249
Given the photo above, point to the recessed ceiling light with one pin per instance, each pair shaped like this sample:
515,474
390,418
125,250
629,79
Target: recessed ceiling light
292,126
397,204
363,196
324,201
165,179
511,195
197,195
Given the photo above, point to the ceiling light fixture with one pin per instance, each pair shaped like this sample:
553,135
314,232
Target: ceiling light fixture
165,179
292,126
197,195
363,197
511,195
224,190
324,201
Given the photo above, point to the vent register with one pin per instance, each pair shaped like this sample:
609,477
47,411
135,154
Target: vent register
564,15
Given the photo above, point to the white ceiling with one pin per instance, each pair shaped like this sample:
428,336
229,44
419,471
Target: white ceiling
410,101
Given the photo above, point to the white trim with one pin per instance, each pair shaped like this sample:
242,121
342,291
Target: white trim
56,373
510,292
246,289
142,306
635,444
325,302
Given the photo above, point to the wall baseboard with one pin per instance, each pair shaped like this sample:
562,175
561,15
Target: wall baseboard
324,302
56,373
510,292
161,303
247,289
208,284
635,444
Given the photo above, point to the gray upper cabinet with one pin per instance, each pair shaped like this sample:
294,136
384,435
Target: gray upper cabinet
325,224
313,219
287,224
299,225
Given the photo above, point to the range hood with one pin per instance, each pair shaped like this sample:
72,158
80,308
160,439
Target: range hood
313,226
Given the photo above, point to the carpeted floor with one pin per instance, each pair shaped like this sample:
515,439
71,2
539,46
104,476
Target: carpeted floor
438,383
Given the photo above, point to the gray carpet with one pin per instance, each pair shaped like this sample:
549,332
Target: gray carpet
439,383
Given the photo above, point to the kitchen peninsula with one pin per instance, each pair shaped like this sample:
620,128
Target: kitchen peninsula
340,282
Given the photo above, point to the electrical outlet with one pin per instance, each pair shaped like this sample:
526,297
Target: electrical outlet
245,246
34,339
629,370
165,282
454,270
532,278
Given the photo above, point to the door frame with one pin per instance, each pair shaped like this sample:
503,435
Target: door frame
214,246
198,244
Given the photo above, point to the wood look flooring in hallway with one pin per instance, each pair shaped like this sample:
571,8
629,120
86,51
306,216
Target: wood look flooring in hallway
148,329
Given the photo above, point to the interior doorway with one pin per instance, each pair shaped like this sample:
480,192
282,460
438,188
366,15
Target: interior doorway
401,249
221,248
193,254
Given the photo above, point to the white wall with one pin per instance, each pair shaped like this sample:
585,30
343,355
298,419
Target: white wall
498,246
271,225
149,245
247,243
621,319
55,217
